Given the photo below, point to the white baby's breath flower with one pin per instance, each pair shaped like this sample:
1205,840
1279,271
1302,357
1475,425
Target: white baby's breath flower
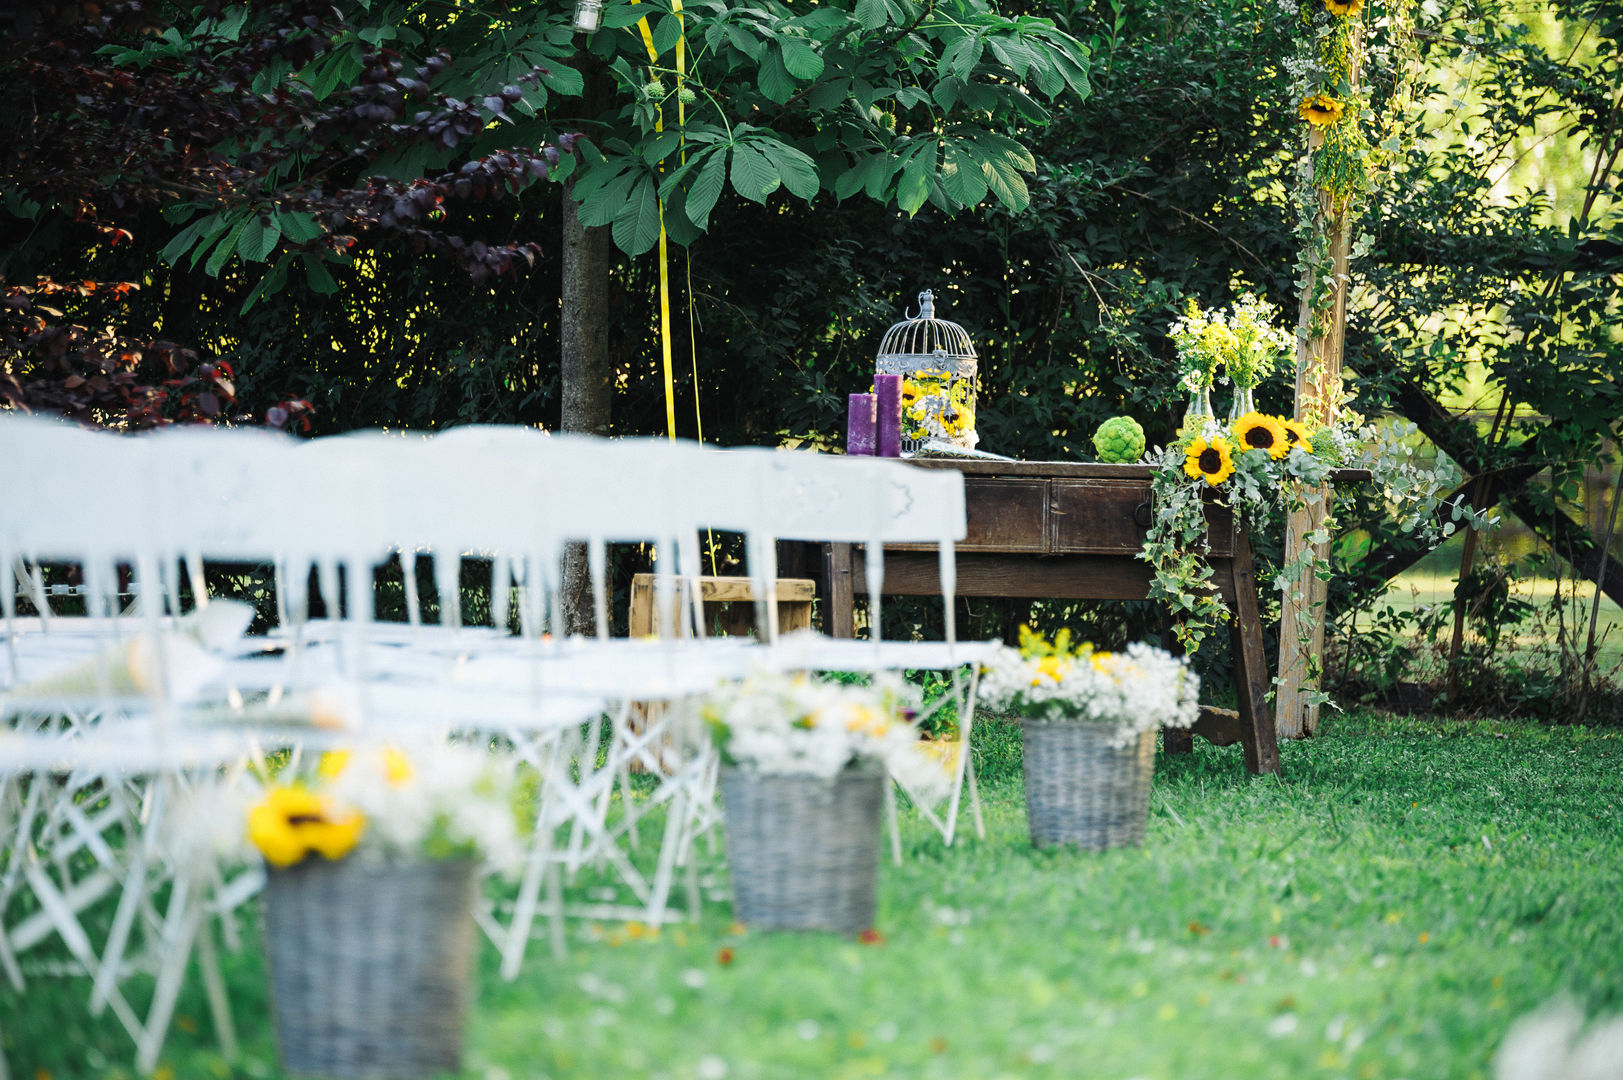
772,722
1134,691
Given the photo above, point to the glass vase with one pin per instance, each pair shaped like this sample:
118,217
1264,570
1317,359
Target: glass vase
1243,403
1198,416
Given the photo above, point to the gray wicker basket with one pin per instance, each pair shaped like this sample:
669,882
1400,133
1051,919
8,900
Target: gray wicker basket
804,851
1081,790
370,965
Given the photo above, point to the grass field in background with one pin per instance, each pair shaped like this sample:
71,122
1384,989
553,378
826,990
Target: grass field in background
1433,584
1385,909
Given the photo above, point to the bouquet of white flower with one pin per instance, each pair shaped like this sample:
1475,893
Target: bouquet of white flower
388,802
1132,692
771,722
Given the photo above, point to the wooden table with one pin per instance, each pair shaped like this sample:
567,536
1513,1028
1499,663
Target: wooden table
1063,530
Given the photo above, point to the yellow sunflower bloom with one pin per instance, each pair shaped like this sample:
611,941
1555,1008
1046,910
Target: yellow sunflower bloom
291,822
1321,110
1299,436
1342,9
1257,431
334,839
1211,461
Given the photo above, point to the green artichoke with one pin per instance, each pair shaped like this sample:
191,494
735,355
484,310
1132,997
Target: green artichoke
1119,440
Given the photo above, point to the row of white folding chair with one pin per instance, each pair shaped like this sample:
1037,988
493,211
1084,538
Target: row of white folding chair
348,501
352,499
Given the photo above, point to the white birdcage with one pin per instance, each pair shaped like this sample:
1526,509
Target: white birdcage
938,367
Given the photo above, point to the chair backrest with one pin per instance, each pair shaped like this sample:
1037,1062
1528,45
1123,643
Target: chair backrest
513,494
71,495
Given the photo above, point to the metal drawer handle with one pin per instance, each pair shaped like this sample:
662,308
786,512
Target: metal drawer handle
1142,516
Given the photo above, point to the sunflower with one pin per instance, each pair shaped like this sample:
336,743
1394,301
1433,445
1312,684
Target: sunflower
1343,9
1255,431
293,821
1321,110
1210,461
1300,439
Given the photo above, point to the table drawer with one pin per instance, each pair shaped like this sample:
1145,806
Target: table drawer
1097,517
1110,517
1009,515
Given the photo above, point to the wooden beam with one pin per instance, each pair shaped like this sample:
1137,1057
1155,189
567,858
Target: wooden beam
1318,388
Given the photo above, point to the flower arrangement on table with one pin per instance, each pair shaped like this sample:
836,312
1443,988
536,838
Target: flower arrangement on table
935,405
1242,342
1131,692
794,724
383,803
1256,463
1253,464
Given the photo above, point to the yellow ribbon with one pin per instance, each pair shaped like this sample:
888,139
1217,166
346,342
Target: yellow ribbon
664,267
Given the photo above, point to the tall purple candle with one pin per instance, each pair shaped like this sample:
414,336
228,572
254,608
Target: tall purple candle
888,389
859,424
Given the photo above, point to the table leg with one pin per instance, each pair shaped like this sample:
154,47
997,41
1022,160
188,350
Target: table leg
1250,665
839,619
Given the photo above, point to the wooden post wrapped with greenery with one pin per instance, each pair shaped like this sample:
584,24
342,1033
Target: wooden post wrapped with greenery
1335,175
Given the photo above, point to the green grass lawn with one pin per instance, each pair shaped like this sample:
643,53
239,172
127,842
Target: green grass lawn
1386,909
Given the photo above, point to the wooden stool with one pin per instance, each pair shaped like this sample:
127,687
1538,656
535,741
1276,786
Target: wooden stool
729,606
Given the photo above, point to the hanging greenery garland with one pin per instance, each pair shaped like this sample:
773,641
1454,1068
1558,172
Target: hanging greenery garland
1341,63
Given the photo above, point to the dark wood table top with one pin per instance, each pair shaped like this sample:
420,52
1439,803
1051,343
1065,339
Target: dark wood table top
1080,470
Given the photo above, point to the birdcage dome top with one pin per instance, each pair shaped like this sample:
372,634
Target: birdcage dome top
925,342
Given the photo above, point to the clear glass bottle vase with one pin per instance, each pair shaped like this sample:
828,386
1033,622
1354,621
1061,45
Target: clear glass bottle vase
1243,403
1198,415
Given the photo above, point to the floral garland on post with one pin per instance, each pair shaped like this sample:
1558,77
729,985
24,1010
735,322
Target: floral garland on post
1350,145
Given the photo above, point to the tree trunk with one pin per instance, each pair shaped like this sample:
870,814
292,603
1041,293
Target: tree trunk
586,373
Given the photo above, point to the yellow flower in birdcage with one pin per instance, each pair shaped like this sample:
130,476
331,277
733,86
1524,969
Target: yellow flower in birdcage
293,821
1211,461
1321,110
1257,431
1342,9
1300,439
956,419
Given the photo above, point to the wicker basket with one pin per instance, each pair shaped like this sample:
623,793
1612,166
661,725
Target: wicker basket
804,851
370,965
1081,790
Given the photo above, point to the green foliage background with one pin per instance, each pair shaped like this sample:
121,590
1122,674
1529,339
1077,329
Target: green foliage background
1170,179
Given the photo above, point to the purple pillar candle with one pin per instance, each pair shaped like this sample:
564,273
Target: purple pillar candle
888,389
859,425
